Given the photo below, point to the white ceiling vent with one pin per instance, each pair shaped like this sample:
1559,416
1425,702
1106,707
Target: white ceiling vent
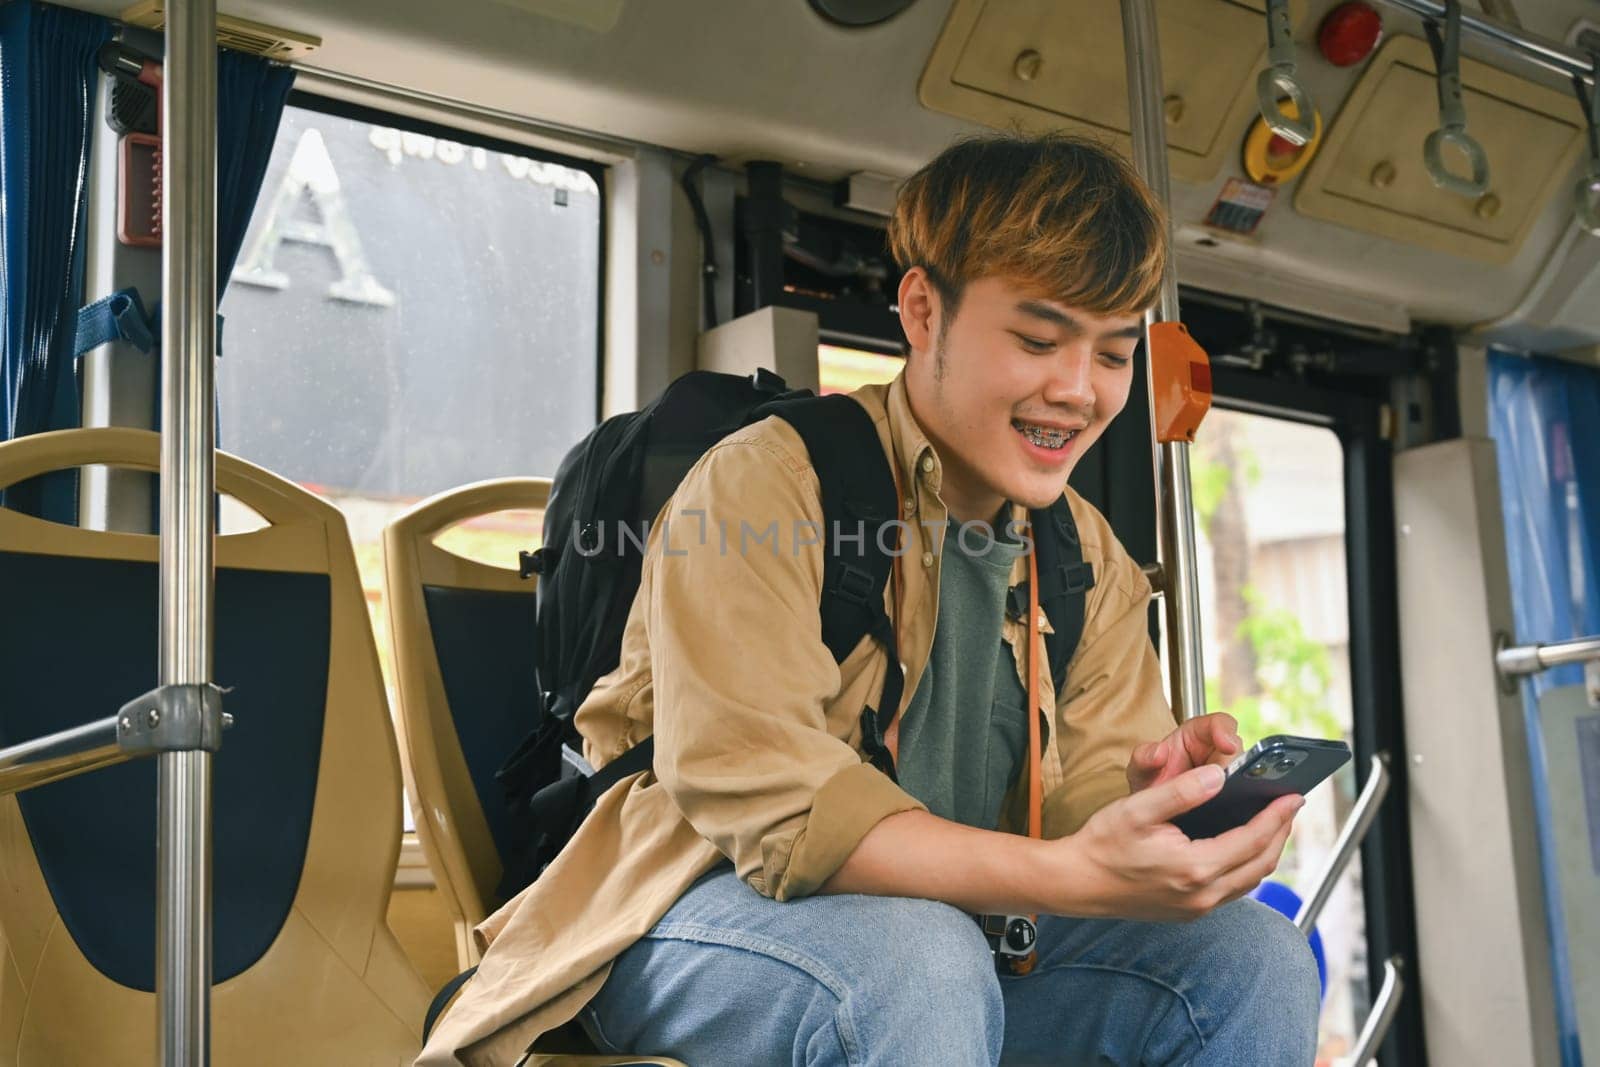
241,35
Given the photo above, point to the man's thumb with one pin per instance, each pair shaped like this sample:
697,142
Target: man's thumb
1188,790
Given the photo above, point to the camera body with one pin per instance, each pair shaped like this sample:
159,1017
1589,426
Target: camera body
1012,939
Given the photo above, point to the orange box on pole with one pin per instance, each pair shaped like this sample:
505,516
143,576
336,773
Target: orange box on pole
1180,372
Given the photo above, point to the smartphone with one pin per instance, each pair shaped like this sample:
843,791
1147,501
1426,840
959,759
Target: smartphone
1275,767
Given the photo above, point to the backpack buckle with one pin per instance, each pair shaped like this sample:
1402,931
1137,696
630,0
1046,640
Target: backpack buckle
854,585
1076,578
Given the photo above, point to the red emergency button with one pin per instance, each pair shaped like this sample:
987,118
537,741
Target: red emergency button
1349,33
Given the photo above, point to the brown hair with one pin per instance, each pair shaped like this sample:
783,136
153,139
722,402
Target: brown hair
1064,215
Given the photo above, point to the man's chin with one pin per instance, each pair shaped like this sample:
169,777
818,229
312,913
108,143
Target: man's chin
1036,496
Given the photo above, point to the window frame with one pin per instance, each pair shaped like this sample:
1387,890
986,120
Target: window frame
1377,721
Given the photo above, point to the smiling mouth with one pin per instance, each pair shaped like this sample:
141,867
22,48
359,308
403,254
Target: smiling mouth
1049,437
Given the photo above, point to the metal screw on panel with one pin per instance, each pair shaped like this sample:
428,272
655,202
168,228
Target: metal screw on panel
1383,175
125,723
154,718
1487,207
1027,65
1173,106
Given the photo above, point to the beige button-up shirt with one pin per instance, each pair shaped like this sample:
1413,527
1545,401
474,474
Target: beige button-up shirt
758,734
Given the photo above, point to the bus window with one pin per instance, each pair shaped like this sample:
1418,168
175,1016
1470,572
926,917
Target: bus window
1270,522
412,311
844,370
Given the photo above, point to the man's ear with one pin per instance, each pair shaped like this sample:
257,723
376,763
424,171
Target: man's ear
919,309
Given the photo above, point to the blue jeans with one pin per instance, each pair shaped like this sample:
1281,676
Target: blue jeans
729,977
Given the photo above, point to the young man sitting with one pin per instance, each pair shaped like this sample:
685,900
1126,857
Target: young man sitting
766,895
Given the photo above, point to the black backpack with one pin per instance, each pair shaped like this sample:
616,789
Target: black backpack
615,481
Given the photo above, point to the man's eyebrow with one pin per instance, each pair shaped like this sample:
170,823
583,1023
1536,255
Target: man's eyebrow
1136,331
1040,310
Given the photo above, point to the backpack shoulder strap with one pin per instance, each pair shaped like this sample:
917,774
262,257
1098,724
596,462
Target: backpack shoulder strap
1064,582
858,498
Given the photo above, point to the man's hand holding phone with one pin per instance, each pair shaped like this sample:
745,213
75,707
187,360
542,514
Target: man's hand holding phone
1129,861
1199,741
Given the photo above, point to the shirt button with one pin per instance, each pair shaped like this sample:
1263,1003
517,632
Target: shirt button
911,507
927,559
1042,620
927,464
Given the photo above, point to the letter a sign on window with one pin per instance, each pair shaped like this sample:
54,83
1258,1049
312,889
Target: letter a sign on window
311,169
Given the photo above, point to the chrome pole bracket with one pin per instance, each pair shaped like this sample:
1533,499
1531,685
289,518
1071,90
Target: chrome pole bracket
173,718
1446,45
1279,81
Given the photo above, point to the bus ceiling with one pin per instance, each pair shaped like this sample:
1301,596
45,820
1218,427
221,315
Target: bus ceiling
1353,225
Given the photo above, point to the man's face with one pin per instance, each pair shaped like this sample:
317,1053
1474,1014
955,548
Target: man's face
1013,389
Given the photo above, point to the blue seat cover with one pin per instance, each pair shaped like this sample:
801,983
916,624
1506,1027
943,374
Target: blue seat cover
78,639
484,641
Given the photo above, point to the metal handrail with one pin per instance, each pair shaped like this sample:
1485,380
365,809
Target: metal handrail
1514,662
1174,493
63,754
188,481
1535,49
1384,1009
1350,838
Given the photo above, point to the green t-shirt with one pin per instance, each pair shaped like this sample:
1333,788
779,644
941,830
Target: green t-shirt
965,732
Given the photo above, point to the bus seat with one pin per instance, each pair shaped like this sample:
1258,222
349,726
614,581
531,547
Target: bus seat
305,791
461,641
461,635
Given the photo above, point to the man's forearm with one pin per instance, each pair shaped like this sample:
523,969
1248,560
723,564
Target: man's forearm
915,854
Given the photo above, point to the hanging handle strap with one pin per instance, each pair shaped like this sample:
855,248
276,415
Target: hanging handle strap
1586,194
1446,46
1278,81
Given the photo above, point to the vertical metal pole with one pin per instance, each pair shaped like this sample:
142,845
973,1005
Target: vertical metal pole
188,479
1174,496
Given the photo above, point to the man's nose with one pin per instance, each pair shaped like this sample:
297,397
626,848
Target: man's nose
1070,383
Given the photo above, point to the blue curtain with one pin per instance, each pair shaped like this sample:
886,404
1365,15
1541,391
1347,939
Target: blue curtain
251,93
47,92
1545,418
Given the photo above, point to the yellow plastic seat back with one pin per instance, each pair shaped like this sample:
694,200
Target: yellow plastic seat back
305,792
462,647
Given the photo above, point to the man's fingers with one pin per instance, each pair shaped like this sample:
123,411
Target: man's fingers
1204,737
1175,796
1237,847
1247,876
1225,733
1151,753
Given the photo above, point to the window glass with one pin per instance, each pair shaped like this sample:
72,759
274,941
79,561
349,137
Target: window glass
844,370
1270,525
409,314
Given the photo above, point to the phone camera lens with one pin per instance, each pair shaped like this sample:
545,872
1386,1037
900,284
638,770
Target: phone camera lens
1287,763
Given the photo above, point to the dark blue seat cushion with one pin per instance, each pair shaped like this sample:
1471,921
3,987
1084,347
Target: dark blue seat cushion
484,641
78,639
